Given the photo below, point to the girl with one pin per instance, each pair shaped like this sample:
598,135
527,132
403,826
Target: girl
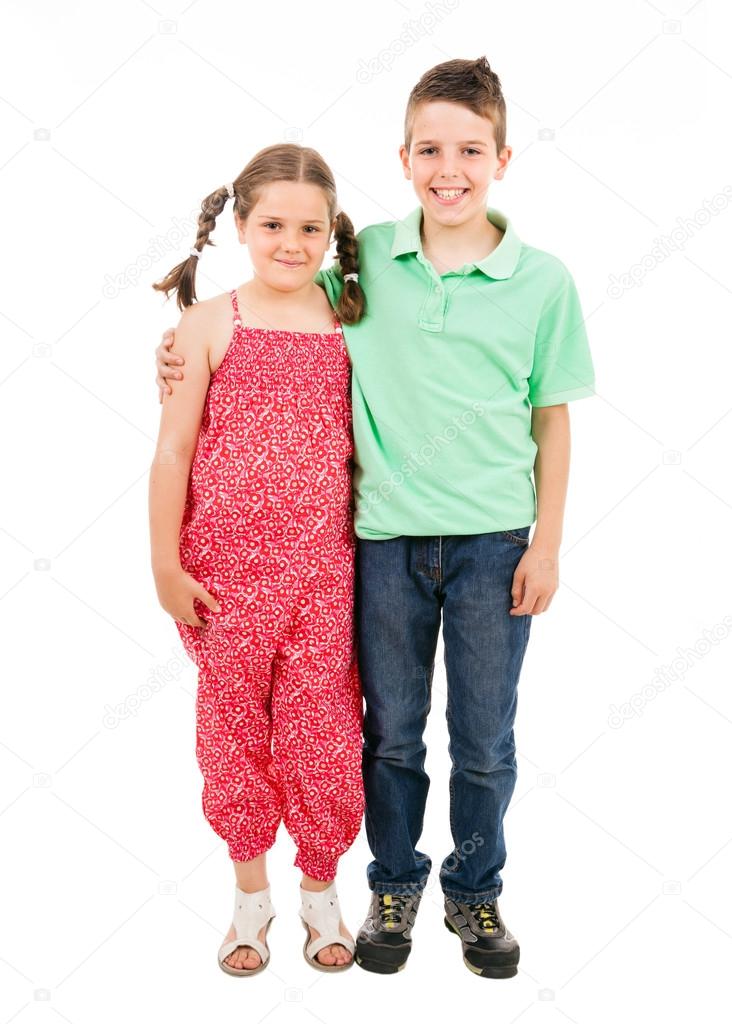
252,545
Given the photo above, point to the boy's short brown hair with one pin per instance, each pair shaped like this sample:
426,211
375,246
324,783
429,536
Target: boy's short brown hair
469,82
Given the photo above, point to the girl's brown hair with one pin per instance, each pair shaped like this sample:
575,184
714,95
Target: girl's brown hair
284,162
472,83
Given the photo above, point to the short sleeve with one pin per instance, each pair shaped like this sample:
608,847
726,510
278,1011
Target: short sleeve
562,368
332,282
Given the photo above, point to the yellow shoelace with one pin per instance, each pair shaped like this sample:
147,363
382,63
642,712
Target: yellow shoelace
486,915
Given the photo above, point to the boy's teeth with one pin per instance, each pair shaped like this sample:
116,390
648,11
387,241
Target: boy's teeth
449,193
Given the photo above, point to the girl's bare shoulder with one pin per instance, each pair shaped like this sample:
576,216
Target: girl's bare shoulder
210,312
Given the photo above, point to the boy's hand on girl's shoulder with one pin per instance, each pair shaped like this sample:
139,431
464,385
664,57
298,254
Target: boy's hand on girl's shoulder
167,364
535,581
177,591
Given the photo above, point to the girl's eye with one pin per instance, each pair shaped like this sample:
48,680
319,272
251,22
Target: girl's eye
271,224
311,228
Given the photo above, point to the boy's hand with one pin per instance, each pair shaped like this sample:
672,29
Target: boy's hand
535,581
167,364
176,592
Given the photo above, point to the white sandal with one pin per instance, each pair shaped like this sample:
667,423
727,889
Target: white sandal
252,910
322,912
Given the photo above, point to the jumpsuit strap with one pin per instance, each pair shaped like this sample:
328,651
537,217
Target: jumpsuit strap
235,304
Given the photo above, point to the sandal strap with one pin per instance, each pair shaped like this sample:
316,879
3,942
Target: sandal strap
252,911
322,911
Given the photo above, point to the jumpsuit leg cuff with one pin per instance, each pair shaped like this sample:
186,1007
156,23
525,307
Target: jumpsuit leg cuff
318,864
248,849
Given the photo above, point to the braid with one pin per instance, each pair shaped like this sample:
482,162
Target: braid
352,303
182,278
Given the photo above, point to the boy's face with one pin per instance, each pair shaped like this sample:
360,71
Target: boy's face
287,233
451,161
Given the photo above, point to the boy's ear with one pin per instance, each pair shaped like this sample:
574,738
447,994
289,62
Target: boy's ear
503,159
404,157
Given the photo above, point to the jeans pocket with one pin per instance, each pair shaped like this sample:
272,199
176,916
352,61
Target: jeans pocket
516,537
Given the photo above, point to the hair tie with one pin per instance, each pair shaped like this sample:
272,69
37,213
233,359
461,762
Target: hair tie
195,252
350,277
230,190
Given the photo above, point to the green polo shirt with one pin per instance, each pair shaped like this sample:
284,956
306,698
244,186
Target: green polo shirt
446,368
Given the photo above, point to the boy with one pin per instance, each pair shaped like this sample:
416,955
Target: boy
472,346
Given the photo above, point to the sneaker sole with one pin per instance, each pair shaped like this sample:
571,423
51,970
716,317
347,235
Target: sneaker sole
502,965
394,959
377,967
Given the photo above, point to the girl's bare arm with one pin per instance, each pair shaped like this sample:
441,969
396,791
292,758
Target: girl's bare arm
180,422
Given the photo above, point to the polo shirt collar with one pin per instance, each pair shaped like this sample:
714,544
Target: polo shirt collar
501,263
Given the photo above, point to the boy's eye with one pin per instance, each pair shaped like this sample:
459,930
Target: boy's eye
471,150
271,224
428,149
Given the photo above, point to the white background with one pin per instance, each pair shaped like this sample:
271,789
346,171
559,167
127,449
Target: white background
116,120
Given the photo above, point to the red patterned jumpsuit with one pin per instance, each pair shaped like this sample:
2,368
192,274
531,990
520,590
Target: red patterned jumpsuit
267,529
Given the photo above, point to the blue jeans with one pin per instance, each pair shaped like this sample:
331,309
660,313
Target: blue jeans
404,587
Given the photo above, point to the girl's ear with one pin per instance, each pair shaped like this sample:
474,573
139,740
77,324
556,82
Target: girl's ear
241,228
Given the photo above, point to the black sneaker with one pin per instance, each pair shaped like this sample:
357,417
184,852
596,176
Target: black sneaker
489,948
385,939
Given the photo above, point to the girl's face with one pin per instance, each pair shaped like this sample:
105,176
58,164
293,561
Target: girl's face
287,233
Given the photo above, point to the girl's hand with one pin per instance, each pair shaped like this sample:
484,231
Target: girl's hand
535,581
176,592
167,364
